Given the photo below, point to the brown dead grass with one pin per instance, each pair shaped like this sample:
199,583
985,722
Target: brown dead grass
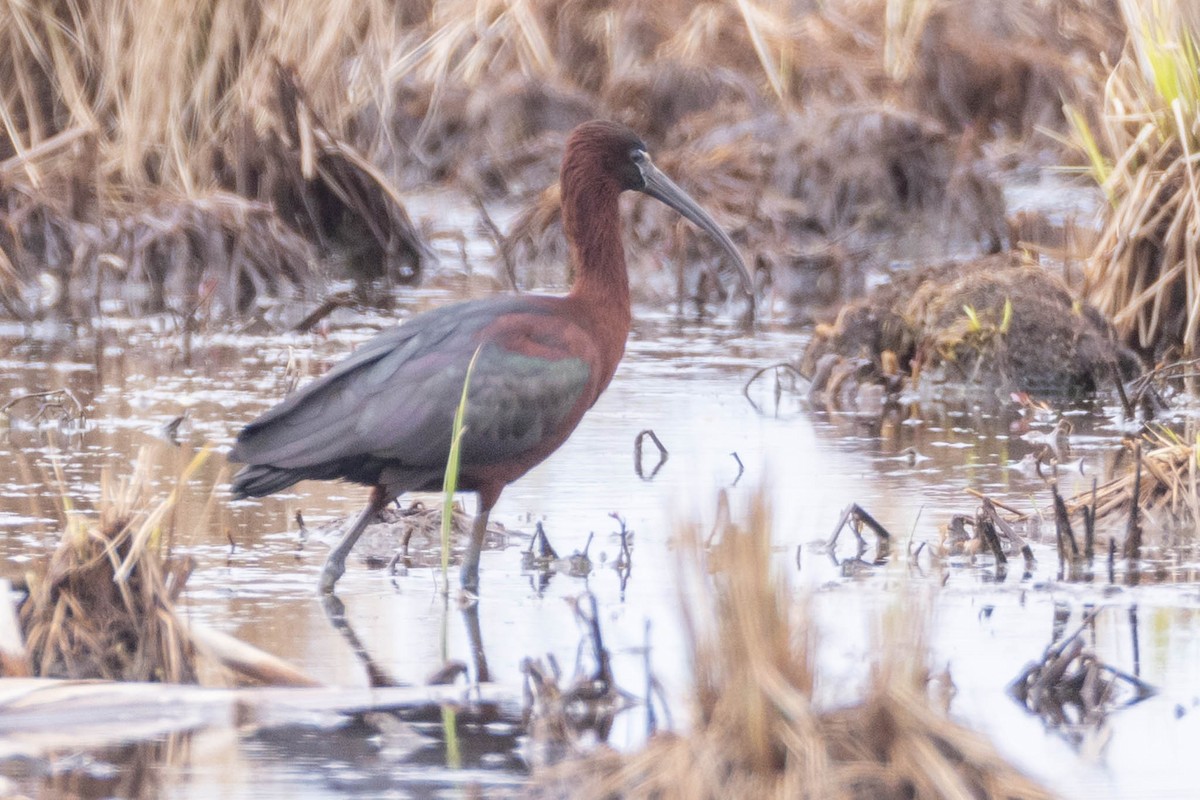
317,110
234,114
755,732
1168,492
105,605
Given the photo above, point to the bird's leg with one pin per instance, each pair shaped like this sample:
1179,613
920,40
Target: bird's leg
470,565
335,562
470,614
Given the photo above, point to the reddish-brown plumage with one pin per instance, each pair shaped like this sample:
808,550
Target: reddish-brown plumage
382,417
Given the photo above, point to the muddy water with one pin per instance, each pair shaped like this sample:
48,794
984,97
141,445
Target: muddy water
255,576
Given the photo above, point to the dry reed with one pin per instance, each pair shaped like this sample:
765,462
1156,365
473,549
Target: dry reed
755,731
314,112
1168,490
1145,270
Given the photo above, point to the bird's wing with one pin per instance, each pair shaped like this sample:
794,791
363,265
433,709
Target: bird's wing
395,398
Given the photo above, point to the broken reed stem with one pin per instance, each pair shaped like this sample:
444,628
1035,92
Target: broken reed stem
1133,530
988,531
1002,526
1064,535
1016,512
1089,529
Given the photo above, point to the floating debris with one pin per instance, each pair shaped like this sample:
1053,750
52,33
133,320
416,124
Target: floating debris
411,536
986,531
1161,485
560,719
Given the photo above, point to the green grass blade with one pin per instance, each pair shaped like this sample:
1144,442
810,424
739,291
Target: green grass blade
972,318
450,482
1006,320
1091,148
450,728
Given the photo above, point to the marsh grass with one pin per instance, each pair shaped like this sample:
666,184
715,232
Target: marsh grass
187,144
227,153
755,730
1145,270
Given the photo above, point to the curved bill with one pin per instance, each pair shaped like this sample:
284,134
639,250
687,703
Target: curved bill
662,188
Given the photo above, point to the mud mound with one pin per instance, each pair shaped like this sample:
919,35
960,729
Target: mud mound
210,256
995,325
517,132
872,172
655,99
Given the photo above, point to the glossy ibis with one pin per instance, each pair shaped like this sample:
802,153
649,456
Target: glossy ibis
383,416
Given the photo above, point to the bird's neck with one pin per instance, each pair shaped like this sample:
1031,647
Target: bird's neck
600,293
592,223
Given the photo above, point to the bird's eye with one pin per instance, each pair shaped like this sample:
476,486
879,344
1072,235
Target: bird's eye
639,156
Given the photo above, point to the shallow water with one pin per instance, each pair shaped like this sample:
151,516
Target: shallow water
683,381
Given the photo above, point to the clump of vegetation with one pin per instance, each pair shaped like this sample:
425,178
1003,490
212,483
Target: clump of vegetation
1145,270
755,731
105,605
1071,689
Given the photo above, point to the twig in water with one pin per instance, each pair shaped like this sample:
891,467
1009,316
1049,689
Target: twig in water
625,557
663,455
540,551
778,389
1063,533
989,508
581,563
50,399
741,468
856,516
498,239
1089,529
170,431
987,530
651,719
1070,676
997,503
1125,404
343,299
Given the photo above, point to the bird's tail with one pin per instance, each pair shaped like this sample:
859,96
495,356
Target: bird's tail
259,480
